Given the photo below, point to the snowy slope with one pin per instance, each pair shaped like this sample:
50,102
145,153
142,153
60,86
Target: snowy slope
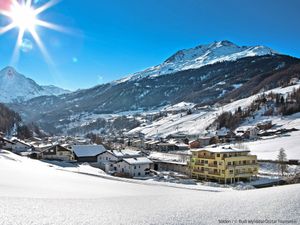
196,123
16,87
53,90
34,193
200,56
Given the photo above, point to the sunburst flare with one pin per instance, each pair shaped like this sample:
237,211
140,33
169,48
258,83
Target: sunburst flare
25,17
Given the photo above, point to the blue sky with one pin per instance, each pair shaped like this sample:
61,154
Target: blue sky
113,38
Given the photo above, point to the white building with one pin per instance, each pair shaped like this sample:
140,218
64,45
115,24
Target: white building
107,159
133,167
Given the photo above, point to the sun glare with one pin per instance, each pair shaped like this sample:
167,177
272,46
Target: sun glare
24,16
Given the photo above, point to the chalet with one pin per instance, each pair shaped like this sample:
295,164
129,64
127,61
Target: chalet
58,152
133,167
107,159
20,146
6,144
87,153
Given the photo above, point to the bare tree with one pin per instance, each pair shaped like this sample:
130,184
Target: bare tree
282,158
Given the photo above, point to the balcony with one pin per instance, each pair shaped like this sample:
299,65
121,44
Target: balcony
205,157
197,171
212,165
243,165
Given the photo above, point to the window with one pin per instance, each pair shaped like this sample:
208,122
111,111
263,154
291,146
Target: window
218,155
229,163
134,167
139,174
231,171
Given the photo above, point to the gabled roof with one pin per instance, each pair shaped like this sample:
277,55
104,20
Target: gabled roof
6,140
53,146
88,150
15,140
126,153
137,161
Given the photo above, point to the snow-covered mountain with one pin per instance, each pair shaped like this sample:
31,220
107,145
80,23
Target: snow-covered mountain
200,56
16,87
214,77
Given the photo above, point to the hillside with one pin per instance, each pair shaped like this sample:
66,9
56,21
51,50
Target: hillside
8,119
206,85
32,188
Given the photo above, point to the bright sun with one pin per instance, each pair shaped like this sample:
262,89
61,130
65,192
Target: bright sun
24,16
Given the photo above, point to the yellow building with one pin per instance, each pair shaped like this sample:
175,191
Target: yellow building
223,164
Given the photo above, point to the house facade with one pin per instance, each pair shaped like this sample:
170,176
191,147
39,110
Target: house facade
107,159
133,167
20,146
58,152
225,165
6,144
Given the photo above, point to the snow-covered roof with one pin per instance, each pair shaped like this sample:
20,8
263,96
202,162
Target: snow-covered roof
220,149
168,157
126,153
137,161
15,140
88,150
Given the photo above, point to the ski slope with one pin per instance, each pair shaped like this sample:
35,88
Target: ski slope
32,192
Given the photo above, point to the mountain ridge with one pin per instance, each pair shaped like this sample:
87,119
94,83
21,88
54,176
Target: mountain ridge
15,86
219,82
199,56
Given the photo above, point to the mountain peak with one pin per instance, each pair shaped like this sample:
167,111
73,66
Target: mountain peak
8,71
202,55
16,87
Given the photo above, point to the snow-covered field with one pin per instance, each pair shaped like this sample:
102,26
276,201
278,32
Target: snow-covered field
269,149
33,192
